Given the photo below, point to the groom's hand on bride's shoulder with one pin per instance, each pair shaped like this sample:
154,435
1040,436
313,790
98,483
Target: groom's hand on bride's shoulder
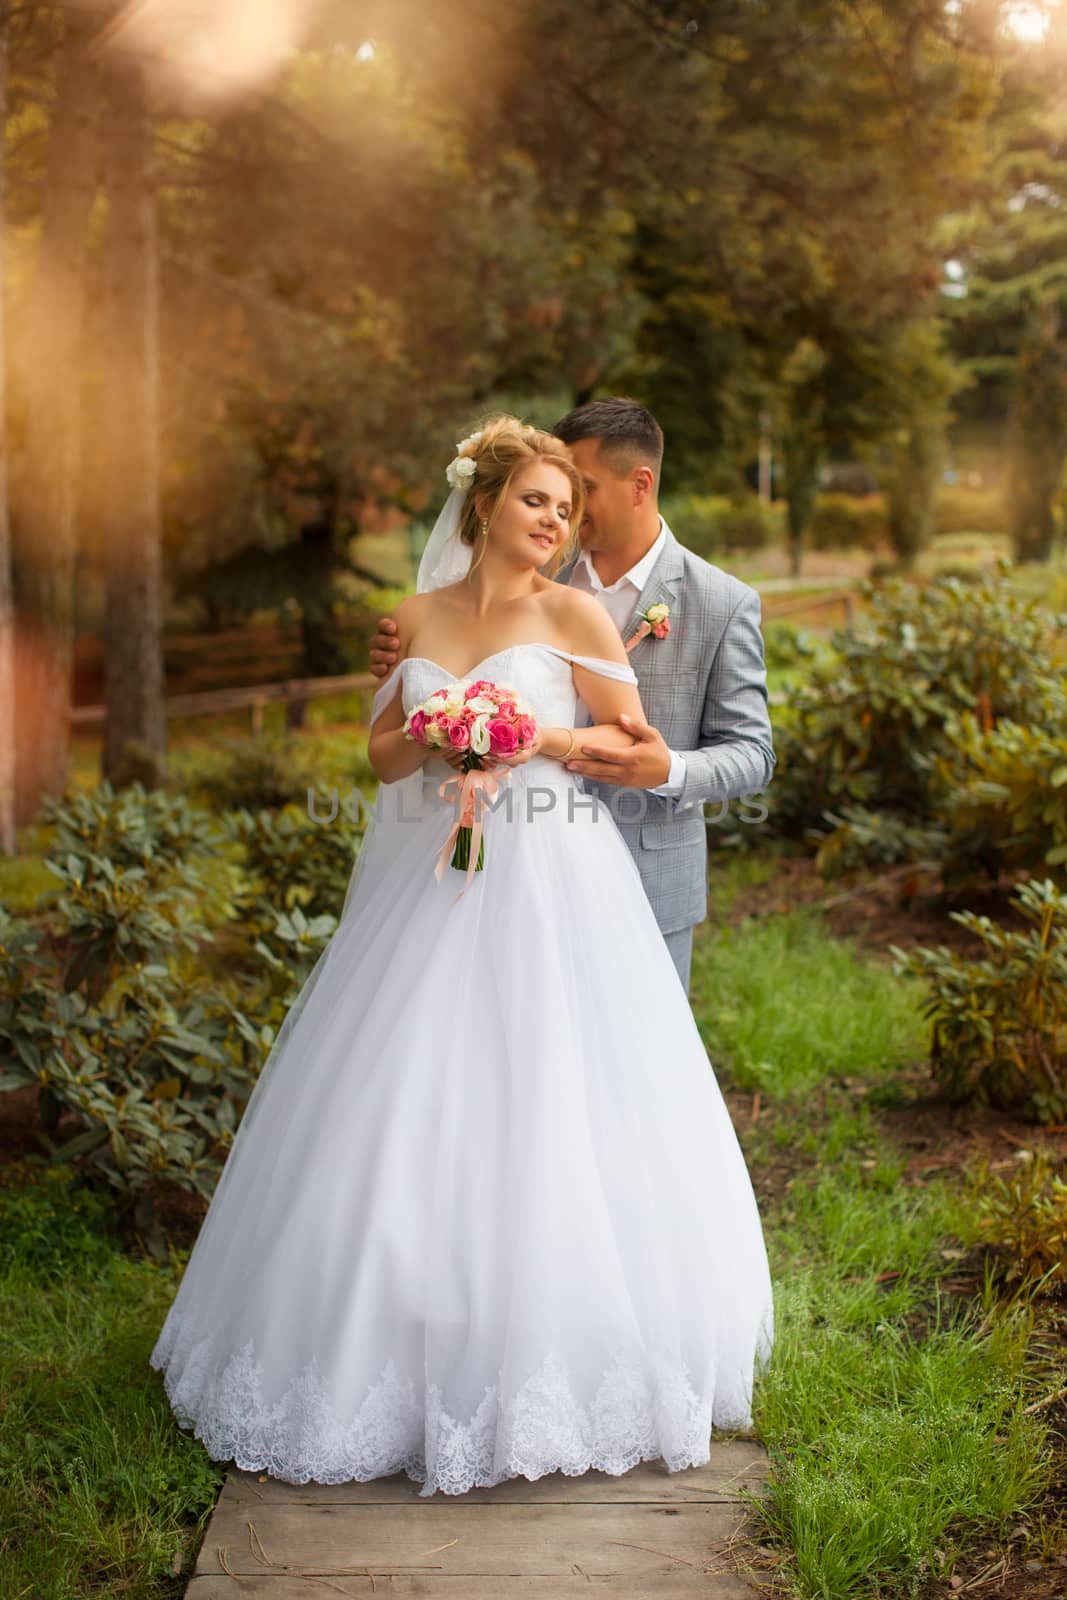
645,764
384,648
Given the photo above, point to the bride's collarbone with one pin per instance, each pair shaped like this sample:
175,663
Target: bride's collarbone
444,652
450,634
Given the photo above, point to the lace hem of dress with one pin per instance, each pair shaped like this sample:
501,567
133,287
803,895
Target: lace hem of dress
635,1415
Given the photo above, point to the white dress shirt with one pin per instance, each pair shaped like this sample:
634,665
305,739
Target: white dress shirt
618,600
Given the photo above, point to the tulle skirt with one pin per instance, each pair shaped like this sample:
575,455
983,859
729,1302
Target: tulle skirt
485,1213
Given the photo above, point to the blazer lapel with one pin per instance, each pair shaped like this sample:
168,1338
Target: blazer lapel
662,584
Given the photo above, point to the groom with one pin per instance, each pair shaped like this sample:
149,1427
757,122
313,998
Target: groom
703,683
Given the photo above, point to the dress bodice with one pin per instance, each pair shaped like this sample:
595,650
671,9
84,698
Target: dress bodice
542,674
537,673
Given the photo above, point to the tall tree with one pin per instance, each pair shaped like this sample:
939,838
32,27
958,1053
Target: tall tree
135,731
44,491
1038,431
1006,309
914,449
7,605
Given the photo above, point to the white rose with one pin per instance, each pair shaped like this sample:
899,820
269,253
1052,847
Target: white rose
480,737
657,613
436,735
472,438
482,705
461,472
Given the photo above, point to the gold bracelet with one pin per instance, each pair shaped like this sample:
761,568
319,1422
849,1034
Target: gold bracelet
570,748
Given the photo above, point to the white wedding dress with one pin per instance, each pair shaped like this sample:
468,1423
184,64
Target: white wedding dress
485,1213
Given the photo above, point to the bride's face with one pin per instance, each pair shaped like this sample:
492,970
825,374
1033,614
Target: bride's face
534,517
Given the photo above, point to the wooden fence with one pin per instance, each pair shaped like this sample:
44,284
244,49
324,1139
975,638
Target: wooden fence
296,693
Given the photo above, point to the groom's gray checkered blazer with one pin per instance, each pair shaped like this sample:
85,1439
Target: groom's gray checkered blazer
705,688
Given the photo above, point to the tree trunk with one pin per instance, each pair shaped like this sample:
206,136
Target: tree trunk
7,608
135,731
1038,434
912,491
800,457
44,492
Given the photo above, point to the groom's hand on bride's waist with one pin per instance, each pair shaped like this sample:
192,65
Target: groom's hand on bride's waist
384,648
645,764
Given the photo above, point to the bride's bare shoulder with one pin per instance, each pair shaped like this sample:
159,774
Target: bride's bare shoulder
584,624
410,614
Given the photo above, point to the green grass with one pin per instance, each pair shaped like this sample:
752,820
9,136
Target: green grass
892,1410
789,1007
100,1494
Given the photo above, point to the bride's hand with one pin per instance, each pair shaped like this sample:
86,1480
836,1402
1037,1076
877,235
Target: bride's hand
456,758
522,756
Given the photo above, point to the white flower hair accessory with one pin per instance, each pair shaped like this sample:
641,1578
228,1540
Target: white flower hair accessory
462,469
460,472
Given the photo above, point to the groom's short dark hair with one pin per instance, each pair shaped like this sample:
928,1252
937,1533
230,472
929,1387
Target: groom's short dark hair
629,434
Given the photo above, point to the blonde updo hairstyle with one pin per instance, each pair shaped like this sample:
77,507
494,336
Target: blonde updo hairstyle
506,445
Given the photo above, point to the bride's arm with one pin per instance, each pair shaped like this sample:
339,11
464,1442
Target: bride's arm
592,633
391,753
557,742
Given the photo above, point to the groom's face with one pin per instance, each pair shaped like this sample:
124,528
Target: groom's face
609,499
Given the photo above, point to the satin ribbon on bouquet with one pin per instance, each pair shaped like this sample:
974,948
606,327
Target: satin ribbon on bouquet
464,792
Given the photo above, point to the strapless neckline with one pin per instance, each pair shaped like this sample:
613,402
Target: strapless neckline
507,650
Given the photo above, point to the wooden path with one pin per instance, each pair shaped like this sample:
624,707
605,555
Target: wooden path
648,1534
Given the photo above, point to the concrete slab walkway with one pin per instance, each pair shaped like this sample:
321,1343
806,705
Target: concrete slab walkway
648,1534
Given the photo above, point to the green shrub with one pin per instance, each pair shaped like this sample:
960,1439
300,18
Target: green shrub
747,525
294,858
1000,1023
865,728
1024,1220
110,1005
960,571
711,524
298,872
785,645
256,773
154,1064
132,827
958,509
153,1068
1003,798
848,522
864,838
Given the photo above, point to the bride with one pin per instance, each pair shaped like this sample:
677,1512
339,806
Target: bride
485,1214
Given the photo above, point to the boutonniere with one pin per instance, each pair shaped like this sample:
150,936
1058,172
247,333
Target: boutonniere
656,620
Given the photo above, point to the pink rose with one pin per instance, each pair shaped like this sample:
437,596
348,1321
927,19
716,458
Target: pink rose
480,686
662,629
459,734
417,727
503,740
507,708
525,731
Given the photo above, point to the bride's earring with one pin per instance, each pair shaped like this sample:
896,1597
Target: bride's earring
485,527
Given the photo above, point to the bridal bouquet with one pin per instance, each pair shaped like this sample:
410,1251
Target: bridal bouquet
480,719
